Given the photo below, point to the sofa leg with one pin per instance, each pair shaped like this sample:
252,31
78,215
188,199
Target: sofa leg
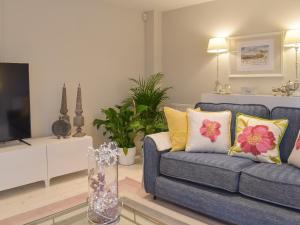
154,197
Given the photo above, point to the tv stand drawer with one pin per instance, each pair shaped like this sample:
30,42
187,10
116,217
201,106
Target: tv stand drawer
25,165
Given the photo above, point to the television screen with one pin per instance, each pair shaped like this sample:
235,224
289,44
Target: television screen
14,102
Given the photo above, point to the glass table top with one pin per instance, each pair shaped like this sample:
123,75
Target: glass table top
132,213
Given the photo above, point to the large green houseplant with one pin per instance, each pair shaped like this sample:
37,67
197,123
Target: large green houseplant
118,125
146,97
141,112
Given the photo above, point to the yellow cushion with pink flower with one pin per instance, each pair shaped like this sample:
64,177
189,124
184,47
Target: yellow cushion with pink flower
258,139
294,158
208,131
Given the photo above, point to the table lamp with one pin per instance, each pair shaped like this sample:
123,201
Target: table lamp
217,46
292,40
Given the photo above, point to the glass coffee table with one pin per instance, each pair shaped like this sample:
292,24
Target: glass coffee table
132,213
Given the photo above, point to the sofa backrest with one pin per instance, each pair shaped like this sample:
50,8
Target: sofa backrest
249,109
288,141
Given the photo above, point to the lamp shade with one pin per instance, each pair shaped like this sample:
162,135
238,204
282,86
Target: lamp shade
292,38
217,45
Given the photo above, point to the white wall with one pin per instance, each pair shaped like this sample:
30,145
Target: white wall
191,71
73,41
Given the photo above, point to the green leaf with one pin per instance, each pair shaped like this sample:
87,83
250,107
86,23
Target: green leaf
141,108
97,123
125,150
136,125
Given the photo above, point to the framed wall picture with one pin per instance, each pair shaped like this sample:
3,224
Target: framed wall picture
256,55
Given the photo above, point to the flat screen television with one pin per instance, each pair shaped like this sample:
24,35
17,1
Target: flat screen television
14,102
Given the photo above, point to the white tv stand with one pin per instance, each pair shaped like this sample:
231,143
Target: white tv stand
46,158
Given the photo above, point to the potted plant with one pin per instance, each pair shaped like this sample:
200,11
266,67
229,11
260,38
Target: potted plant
146,97
119,127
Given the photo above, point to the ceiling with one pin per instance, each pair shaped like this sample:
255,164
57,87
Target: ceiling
160,5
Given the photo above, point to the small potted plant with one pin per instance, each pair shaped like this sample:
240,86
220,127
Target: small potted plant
120,128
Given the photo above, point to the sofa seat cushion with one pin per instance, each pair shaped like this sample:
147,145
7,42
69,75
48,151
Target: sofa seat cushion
278,184
211,169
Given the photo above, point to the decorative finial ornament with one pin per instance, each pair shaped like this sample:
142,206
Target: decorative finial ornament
62,126
78,119
64,107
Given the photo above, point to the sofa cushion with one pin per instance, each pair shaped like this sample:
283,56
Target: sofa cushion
288,141
278,184
294,158
178,127
208,131
249,109
258,139
216,170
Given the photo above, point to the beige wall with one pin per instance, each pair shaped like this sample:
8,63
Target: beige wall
1,27
100,46
153,35
73,41
191,71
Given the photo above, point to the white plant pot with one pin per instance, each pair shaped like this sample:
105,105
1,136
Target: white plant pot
128,159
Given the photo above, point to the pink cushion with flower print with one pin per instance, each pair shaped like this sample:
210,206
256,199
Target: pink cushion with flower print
294,158
298,143
258,139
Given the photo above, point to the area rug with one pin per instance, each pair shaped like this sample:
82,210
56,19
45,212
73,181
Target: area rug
129,188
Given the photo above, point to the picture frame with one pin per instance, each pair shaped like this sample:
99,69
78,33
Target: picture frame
259,55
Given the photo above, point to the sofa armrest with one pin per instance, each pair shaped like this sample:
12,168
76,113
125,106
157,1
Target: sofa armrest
151,164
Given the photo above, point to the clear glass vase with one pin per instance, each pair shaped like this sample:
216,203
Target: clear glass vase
103,202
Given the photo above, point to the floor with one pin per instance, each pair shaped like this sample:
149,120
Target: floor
32,196
26,200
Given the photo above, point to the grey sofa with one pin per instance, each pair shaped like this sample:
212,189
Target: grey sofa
234,190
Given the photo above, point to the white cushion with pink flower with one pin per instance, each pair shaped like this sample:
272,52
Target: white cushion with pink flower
294,158
258,139
208,131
